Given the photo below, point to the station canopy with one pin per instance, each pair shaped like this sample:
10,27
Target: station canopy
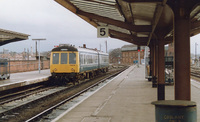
7,36
134,21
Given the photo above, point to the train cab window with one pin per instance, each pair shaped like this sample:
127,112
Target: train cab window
63,58
72,58
55,58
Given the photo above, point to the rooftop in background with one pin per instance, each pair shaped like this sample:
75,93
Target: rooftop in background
131,48
7,36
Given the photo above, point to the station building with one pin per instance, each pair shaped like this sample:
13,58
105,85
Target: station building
169,50
130,54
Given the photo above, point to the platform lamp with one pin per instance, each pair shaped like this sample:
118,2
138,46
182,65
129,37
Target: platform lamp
38,50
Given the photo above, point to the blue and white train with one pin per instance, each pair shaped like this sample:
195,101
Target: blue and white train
69,63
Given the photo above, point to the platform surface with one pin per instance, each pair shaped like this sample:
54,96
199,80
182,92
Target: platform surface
125,99
24,78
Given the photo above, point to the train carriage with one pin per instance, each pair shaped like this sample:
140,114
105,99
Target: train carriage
88,59
71,64
103,60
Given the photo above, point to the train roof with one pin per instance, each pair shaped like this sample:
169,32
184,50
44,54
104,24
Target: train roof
65,48
91,51
87,50
72,48
103,53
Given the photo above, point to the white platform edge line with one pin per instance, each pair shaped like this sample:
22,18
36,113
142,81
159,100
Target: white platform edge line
23,81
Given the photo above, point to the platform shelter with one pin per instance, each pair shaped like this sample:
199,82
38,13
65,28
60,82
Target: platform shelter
152,23
7,36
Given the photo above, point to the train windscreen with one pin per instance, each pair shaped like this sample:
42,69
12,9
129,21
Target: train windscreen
72,58
64,58
55,58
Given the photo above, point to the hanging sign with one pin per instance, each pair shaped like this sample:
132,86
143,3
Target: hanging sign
102,32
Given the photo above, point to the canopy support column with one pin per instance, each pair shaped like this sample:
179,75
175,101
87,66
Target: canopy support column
154,77
182,52
161,68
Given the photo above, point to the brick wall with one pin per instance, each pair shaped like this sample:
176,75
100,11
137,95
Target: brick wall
25,65
129,56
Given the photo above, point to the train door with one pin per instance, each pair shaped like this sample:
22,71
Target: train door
74,62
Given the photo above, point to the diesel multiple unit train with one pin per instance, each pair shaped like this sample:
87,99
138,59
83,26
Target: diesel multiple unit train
69,63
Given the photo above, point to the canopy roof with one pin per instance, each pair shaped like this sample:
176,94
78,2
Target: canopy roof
11,36
134,21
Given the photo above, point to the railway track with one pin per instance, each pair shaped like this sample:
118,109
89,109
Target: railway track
41,103
195,72
22,94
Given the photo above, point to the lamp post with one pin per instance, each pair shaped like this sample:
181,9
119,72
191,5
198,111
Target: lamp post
38,51
196,60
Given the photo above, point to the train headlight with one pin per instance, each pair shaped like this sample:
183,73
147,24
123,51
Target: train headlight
72,69
55,69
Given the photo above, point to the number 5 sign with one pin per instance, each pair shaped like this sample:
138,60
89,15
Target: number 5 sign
102,32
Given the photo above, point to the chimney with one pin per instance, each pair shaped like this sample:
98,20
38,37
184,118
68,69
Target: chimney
84,45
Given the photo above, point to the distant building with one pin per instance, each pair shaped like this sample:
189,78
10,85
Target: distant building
169,50
130,54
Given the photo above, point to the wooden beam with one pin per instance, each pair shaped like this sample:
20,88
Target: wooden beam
195,25
73,9
195,28
128,36
157,16
12,34
135,28
194,32
67,5
130,41
168,40
152,1
103,3
10,41
139,41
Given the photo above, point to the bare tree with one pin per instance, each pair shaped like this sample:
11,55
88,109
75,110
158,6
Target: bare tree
115,55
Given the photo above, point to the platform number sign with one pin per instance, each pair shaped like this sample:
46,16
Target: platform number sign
102,32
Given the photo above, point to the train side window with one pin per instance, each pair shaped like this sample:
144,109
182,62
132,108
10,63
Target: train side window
72,58
82,59
55,58
64,58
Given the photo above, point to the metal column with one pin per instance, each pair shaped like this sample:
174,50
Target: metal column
161,69
154,78
182,52
156,60
151,61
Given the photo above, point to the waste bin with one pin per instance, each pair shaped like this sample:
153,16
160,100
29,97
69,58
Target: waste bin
175,111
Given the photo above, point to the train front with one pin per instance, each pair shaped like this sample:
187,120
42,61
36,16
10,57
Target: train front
64,62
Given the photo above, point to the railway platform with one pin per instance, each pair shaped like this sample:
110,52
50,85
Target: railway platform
23,79
127,98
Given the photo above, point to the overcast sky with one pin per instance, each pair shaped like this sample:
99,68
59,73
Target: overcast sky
47,19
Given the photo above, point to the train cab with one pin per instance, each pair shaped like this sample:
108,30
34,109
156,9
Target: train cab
64,60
